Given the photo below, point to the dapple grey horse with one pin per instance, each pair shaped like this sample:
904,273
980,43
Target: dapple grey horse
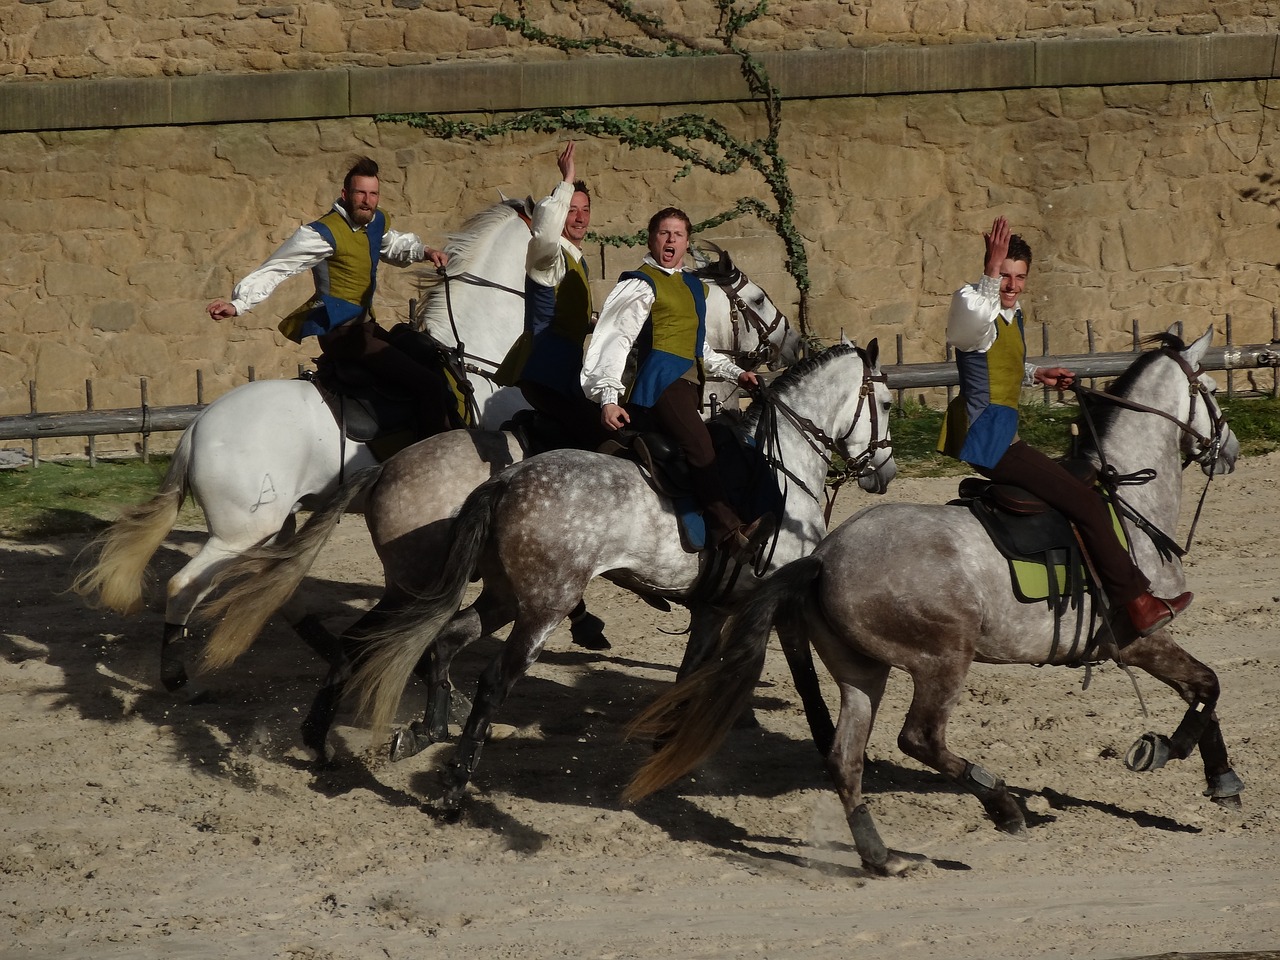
922,588
539,532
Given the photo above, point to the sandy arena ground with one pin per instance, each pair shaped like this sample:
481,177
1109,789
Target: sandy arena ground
135,825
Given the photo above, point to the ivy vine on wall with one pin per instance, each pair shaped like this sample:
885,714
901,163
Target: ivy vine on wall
692,139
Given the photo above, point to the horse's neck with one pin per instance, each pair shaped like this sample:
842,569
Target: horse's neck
719,320
1143,441
486,316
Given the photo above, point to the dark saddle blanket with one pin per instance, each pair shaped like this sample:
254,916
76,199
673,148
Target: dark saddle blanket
1045,559
369,411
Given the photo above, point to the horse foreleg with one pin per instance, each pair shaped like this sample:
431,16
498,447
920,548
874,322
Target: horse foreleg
1197,684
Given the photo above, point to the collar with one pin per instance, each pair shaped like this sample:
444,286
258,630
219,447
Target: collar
1009,315
346,215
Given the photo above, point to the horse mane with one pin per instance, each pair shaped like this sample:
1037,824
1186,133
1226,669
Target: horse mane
796,373
471,240
1103,414
466,246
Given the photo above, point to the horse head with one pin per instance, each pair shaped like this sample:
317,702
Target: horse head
760,331
1209,439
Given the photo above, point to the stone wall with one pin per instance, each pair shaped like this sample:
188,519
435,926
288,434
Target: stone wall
45,39
1151,202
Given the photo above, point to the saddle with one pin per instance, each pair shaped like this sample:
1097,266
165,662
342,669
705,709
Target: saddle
537,433
1046,562
750,486
369,412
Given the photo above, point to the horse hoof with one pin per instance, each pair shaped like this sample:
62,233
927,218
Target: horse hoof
1234,804
173,676
408,742
1149,752
1014,826
895,864
588,632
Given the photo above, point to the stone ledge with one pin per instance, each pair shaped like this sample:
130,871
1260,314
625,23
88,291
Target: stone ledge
498,86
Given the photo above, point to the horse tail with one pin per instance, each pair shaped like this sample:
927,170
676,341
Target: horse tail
124,550
692,719
394,649
263,578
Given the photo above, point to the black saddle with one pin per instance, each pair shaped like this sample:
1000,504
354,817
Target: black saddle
1046,562
367,409
537,433
749,484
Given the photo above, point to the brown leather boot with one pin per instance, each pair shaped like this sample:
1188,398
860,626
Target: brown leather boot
1149,613
743,544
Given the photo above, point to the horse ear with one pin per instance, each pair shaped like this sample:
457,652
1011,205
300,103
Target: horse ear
1195,353
873,352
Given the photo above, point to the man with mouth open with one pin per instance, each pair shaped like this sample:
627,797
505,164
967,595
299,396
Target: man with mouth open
660,309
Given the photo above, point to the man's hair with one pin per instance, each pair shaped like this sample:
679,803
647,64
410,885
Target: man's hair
363,167
1019,250
580,186
669,213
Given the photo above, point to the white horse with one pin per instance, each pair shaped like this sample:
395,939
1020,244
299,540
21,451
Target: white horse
260,453
547,514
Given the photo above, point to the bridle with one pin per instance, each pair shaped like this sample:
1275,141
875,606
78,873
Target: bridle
766,351
1207,449
823,443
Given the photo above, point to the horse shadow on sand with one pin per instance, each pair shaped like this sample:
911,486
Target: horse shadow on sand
568,745
109,664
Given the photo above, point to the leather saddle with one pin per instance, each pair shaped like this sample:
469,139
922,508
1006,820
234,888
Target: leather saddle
1046,562
1030,533
365,408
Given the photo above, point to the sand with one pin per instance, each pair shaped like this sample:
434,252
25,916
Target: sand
137,825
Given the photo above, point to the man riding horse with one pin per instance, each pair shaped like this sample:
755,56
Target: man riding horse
981,428
661,309
342,249
545,362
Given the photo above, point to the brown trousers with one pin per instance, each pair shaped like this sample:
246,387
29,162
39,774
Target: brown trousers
677,415
1026,467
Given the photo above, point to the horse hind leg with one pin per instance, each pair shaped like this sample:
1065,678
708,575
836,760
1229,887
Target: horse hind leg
924,737
861,687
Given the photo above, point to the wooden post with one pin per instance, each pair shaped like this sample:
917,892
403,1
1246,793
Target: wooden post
88,405
951,391
1088,327
1137,340
200,387
252,375
1044,352
35,444
146,434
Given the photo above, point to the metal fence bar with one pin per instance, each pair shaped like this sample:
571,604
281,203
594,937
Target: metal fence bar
900,378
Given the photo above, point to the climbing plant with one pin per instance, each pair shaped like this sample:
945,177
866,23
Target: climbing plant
691,138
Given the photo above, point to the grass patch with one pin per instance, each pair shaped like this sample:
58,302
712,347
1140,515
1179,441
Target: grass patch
61,498
67,498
